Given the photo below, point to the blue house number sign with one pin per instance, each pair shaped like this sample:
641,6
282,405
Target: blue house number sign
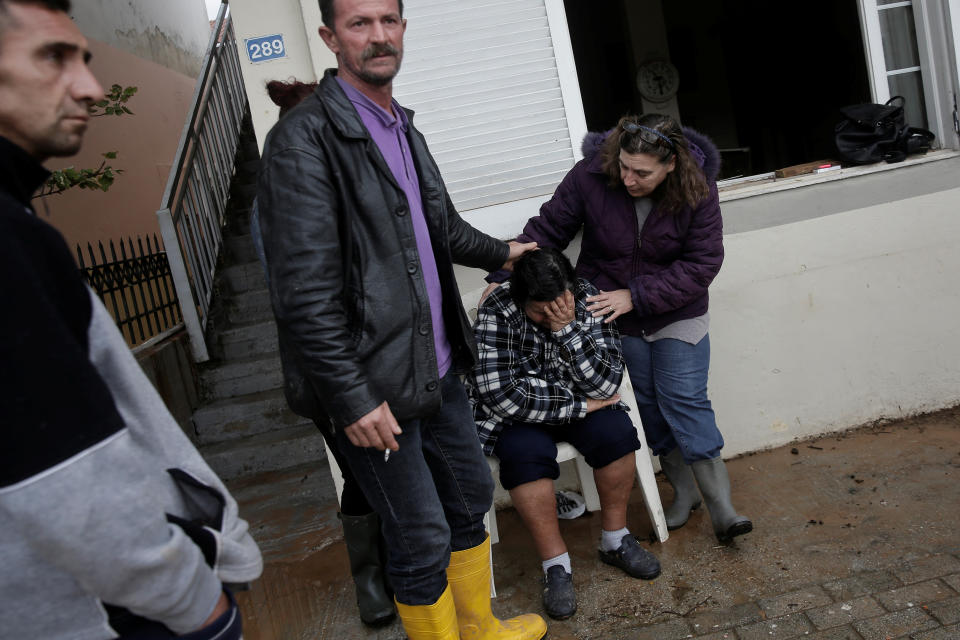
265,48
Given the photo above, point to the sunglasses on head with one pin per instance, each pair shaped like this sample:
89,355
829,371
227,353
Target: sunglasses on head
651,136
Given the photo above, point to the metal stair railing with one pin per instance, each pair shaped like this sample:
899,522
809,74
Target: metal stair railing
192,214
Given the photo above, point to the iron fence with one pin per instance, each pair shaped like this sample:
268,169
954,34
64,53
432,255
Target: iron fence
192,213
135,285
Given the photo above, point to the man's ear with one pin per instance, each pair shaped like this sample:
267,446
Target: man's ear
329,37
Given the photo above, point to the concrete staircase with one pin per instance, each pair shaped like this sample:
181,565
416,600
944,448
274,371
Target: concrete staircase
243,426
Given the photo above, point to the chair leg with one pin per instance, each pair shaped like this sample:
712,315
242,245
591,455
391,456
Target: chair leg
490,522
493,587
651,495
337,476
587,484
645,475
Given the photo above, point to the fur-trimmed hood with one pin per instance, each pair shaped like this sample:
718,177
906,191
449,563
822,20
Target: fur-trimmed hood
701,147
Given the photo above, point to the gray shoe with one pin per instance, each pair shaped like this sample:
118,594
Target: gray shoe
636,561
714,484
686,498
559,599
362,535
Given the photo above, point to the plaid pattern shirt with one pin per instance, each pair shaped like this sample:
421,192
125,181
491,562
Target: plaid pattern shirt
526,373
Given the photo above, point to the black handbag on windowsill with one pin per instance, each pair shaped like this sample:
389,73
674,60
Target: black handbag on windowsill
870,133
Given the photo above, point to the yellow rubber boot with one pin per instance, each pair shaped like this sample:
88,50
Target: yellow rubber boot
468,576
437,621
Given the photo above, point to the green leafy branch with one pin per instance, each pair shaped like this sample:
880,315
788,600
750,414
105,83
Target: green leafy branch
101,178
114,103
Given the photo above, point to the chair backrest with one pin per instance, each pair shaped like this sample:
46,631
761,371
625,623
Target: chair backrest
471,300
627,397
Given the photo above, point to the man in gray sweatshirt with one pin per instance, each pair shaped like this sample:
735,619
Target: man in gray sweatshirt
111,524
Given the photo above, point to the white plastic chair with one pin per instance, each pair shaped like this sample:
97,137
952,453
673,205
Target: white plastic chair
566,451
588,486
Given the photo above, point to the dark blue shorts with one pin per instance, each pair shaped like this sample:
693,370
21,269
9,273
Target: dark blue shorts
528,451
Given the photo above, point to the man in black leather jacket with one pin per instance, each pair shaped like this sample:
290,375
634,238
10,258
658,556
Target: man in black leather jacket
360,238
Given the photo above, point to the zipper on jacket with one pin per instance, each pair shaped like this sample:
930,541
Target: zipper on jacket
635,262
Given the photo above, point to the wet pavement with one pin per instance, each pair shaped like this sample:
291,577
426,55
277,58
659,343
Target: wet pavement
856,536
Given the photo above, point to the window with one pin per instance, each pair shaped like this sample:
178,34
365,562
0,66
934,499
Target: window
504,90
890,34
769,95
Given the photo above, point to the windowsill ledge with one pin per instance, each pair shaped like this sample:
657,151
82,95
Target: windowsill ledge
764,185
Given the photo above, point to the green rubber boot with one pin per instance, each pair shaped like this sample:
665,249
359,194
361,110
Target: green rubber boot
362,535
714,484
686,498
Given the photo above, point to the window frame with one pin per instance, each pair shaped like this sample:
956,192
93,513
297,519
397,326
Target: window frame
936,53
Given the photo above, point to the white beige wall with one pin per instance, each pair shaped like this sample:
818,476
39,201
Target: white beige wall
171,33
836,321
953,9
297,21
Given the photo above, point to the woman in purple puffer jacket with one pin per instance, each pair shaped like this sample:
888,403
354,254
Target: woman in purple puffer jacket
646,199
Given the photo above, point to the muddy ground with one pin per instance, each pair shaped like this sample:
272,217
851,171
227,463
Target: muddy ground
829,507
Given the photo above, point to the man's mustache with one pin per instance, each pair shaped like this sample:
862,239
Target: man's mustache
385,49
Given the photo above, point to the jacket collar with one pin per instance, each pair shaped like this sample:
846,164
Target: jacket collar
345,117
20,174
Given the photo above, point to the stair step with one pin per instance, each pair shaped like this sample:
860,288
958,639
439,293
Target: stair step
246,341
292,508
244,426
244,416
240,278
279,449
242,377
249,307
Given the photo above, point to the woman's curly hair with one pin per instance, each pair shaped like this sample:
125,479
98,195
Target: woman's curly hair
685,186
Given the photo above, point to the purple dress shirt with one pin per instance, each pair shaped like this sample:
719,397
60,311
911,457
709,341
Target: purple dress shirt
388,131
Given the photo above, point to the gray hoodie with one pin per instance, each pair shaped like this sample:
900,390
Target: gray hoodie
105,504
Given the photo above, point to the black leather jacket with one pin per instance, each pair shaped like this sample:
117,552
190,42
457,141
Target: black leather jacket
345,279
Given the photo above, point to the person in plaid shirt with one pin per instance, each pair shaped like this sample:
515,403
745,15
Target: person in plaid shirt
548,371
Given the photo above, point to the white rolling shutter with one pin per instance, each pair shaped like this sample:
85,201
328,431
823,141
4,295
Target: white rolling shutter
482,76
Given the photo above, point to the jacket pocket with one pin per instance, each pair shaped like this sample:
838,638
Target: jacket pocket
354,312
204,503
203,520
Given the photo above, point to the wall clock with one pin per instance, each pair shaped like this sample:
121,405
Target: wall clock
658,80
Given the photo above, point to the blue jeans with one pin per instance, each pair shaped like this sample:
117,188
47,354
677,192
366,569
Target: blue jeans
670,383
352,500
431,495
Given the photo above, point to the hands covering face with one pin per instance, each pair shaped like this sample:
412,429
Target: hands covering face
560,311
